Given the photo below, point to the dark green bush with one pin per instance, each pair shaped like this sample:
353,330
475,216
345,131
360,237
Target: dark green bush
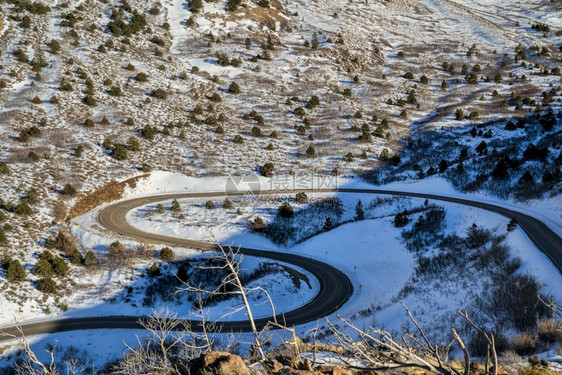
167,254
4,168
23,208
119,152
43,268
227,204
60,267
266,170
234,88
47,285
301,198
14,270
76,257
285,210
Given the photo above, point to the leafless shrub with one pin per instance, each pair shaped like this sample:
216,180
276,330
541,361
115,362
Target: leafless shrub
378,350
478,344
119,255
549,330
69,190
510,357
145,251
516,299
60,211
524,344
65,242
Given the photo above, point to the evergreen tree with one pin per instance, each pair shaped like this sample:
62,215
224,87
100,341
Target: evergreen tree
227,204
310,151
401,219
285,210
60,268
31,196
47,285
269,43
119,152
195,5
23,208
359,213
43,268
258,225
47,255
328,225
154,270
133,144
15,271
512,225
175,206
314,42
234,88
3,238
4,168
76,257
459,114
301,198
89,259
167,254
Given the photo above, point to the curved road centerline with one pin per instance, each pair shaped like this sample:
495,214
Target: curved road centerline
335,287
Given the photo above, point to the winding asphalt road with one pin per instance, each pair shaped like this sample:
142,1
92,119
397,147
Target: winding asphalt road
335,287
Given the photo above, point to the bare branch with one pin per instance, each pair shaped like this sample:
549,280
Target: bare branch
489,338
464,350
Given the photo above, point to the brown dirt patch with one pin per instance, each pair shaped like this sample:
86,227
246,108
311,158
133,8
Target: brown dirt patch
111,191
267,16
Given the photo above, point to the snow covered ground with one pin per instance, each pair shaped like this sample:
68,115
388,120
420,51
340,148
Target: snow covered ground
377,42
371,252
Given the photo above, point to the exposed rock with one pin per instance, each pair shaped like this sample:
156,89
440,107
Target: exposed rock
288,349
290,361
273,365
324,369
333,370
289,371
501,371
219,363
341,371
306,365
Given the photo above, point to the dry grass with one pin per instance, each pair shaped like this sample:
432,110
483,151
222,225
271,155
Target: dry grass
524,344
108,193
549,330
266,16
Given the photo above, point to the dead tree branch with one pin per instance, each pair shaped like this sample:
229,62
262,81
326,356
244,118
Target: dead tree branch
229,260
488,336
